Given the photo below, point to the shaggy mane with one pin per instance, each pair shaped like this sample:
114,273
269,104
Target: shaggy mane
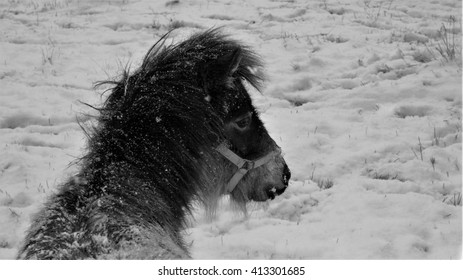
151,151
164,98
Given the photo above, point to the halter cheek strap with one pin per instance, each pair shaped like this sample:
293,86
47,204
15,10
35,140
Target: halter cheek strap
243,165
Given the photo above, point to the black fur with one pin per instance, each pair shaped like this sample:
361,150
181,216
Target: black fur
149,157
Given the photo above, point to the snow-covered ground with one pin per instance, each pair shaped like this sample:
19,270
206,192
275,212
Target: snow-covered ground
364,105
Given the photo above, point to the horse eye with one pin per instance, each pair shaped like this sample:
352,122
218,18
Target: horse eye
244,122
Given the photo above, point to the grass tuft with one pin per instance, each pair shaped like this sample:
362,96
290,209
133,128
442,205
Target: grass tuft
454,200
324,184
449,44
174,24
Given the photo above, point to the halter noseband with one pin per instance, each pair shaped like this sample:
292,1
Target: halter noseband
243,165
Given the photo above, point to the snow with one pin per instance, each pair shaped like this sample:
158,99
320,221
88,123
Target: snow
365,108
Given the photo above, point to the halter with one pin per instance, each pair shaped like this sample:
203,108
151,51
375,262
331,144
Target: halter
243,165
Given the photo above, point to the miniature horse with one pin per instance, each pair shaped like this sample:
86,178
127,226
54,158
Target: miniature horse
181,128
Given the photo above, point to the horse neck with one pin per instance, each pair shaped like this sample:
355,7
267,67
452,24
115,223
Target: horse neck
143,194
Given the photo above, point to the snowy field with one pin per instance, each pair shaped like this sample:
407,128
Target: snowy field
363,96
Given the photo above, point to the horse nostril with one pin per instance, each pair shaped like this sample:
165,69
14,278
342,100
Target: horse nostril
286,174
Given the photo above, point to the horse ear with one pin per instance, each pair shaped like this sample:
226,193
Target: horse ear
221,70
231,61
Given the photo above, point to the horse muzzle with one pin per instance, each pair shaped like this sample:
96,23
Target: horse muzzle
244,166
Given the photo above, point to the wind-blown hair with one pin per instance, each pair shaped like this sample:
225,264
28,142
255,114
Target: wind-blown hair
161,111
149,156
